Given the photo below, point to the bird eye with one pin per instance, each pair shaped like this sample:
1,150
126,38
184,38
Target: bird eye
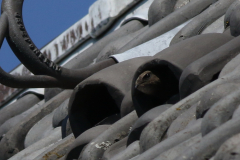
146,76
227,24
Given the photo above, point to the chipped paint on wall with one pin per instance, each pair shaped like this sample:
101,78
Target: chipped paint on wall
102,17
77,33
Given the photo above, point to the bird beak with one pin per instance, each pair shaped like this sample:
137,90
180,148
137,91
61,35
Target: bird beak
136,86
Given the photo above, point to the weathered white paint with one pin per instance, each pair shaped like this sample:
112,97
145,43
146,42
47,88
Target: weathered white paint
76,34
104,12
78,51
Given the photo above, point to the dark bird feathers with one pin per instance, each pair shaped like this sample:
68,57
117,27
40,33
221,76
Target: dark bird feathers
159,84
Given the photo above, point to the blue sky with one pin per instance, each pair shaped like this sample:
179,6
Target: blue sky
45,20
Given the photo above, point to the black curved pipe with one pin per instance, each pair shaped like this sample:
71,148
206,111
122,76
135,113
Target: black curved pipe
3,27
49,73
22,45
44,81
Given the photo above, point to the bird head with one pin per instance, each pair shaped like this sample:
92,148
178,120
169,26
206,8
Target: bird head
148,83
